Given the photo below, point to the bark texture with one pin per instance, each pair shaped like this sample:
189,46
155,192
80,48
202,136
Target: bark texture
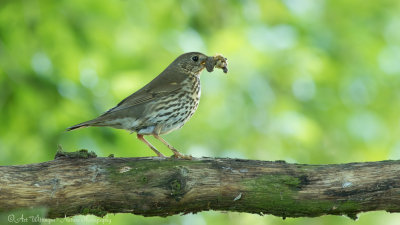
83,184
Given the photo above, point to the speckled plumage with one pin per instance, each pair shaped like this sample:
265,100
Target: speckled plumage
163,105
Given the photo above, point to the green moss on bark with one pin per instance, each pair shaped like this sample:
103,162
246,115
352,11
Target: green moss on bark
81,154
94,210
283,198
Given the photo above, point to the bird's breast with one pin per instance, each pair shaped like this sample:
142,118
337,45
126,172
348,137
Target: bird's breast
191,87
173,111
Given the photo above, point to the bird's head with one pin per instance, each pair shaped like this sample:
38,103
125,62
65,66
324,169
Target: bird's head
191,62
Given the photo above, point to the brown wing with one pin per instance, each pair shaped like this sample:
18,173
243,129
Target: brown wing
132,105
162,85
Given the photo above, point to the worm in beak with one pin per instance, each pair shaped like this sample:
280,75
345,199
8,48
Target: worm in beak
217,61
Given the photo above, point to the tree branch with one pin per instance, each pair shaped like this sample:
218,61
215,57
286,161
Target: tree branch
72,185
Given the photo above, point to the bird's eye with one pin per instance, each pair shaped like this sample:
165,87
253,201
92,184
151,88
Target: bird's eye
195,58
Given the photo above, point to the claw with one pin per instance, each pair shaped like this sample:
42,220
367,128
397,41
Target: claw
178,155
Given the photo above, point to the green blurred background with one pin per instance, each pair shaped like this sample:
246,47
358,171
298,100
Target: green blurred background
310,81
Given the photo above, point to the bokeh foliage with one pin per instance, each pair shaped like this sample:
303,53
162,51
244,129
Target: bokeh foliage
310,81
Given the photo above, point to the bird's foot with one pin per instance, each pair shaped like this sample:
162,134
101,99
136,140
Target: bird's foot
178,155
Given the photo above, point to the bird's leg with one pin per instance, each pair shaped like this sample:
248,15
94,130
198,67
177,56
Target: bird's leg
177,154
159,154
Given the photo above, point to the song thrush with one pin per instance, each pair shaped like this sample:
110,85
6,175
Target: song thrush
163,105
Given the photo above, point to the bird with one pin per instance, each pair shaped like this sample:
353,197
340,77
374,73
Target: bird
163,105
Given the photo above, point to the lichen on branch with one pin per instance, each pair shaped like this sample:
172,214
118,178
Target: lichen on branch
81,183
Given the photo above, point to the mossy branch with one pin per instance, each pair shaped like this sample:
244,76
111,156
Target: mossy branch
80,183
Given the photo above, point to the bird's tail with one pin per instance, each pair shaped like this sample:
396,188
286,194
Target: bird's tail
84,124
81,125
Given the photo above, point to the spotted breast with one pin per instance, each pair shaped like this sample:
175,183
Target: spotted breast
173,111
